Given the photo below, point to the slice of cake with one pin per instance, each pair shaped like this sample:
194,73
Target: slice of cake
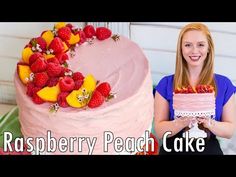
82,83
194,103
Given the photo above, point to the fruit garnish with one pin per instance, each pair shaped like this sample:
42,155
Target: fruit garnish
80,98
74,39
53,69
39,65
48,56
38,44
48,36
89,83
24,73
89,31
61,99
54,108
56,45
34,57
66,84
45,71
115,37
60,25
103,33
26,53
104,88
41,79
49,93
64,33
197,89
96,100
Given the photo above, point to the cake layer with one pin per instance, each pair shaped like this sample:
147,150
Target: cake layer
194,102
125,67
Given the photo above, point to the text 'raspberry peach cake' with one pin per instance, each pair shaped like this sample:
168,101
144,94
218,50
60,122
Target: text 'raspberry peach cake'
82,82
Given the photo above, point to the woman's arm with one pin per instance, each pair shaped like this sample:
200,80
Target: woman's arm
226,128
161,119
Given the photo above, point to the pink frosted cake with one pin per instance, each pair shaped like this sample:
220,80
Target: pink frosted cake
194,103
111,59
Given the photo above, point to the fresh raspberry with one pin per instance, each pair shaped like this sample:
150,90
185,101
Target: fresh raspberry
40,79
35,90
62,57
64,33
96,100
89,31
56,45
42,43
53,69
29,89
53,60
61,99
65,72
39,65
104,88
69,25
52,81
78,76
82,36
103,33
66,84
78,84
37,100
34,57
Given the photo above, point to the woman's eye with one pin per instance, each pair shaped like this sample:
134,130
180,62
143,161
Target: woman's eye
201,45
187,45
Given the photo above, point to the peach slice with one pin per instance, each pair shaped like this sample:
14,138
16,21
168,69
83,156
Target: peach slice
24,73
49,93
74,39
48,56
89,83
60,25
76,98
80,98
65,47
48,36
26,53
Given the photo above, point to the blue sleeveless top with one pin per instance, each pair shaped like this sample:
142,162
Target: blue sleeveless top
225,89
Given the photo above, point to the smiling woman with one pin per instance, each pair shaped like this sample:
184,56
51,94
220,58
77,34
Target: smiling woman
195,47
194,75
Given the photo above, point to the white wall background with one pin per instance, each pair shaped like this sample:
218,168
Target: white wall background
159,42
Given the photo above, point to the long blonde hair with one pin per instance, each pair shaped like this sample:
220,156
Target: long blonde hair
181,77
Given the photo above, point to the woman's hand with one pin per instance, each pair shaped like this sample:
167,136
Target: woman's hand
206,122
184,121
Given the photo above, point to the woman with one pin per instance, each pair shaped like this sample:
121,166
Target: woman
194,65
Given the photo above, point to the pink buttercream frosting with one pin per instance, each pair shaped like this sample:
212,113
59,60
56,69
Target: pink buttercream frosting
194,102
126,68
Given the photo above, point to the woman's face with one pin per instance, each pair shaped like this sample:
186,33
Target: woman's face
194,48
